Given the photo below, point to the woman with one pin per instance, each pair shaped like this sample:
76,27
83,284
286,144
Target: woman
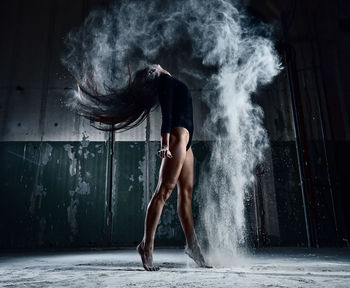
127,108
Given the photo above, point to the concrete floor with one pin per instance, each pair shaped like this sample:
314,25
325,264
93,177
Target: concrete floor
122,268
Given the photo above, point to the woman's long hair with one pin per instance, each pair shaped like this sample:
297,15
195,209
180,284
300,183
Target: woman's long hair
122,109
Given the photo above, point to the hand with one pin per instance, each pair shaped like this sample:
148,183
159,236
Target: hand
164,152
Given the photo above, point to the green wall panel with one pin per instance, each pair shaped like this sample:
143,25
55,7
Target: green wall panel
52,194
57,194
128,192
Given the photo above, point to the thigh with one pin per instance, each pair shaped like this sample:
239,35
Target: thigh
170,168
185,180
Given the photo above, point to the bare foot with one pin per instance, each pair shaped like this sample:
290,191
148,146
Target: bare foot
195,253
146,257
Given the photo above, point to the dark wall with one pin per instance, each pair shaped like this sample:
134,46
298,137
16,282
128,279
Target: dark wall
63,184
310,171
317,51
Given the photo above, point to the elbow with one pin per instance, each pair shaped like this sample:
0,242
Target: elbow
166,128
166,125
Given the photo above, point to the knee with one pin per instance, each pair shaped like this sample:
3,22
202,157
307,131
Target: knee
185,197
164,191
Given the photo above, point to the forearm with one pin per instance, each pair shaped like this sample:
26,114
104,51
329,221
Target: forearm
165,139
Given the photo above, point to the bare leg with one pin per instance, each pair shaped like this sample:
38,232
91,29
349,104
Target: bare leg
169,172
184,208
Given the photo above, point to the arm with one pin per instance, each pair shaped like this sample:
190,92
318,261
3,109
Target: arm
166,103
165,139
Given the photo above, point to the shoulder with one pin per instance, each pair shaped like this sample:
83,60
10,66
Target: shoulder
165,80
165,77
180,84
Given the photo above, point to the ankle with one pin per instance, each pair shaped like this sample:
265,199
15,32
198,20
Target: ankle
192,241
147,248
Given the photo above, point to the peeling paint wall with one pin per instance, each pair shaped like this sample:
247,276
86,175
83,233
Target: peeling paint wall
61,184
59,180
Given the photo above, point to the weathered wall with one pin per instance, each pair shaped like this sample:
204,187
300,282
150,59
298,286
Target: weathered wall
65,184
319,52
60,183
314,43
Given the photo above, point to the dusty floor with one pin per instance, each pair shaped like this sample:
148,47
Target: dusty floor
122,268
